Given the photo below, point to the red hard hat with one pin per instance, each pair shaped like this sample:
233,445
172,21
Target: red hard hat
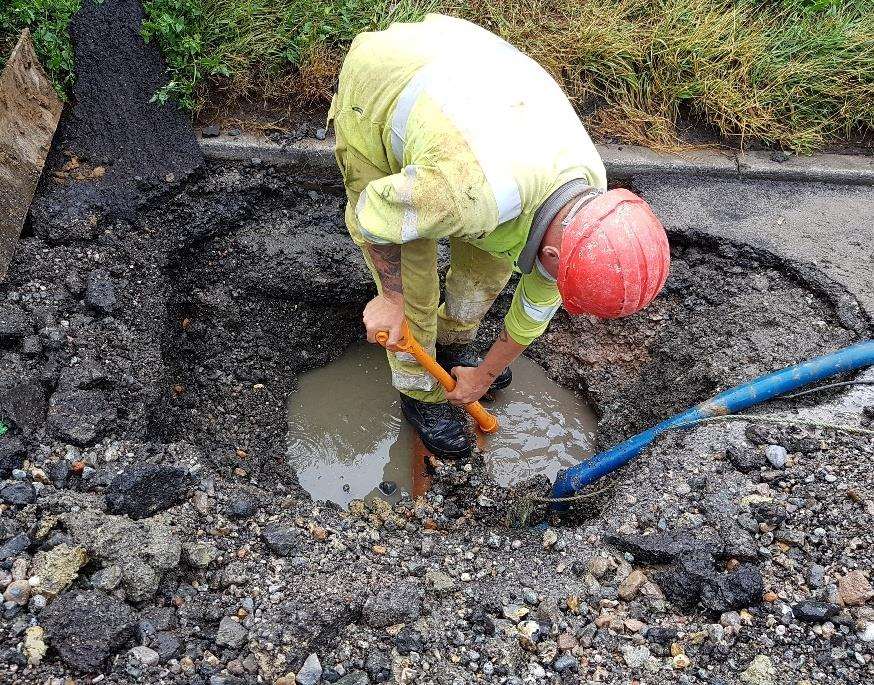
614,257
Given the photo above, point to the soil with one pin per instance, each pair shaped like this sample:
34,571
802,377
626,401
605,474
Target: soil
145,374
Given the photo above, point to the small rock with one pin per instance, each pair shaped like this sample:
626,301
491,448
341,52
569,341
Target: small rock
58,567
282,539
550,537
816,576
146,656
147,489
745,459
387,488
634,625
854,589
776,456
814,612
441,582
661,635
780,156
311,671
242,505
566,642
167,645
321,133
211,131
761,671
515,612
14,546
399,603
17,592
80,417
18,494
635,657
100,292
629,587
34,645
566,662
681,661
529,635
12,453
200,554
107,578
231,633
86,628
598,566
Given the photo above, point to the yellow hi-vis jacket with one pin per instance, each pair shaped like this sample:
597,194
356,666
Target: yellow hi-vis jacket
471,136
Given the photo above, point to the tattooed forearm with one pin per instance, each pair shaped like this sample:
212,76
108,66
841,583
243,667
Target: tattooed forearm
387,261
502,353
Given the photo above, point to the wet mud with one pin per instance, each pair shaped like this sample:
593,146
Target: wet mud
175,341
348,439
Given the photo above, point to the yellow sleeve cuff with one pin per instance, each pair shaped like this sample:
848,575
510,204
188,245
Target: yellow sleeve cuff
534,304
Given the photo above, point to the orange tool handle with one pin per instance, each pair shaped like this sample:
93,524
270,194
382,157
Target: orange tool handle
487,422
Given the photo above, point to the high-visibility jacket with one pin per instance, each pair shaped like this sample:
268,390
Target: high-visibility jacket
471,136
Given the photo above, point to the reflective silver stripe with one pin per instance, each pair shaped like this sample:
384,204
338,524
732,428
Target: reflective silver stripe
367,235
492,160
502,183
402,380
536,312
404,106
410,223
542,270
464,114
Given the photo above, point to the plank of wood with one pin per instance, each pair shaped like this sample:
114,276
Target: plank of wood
29,114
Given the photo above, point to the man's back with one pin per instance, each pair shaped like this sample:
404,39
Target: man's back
486,132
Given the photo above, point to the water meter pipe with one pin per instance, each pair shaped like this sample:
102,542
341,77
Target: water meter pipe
730,401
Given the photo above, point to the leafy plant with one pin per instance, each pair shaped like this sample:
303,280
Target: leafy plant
48,21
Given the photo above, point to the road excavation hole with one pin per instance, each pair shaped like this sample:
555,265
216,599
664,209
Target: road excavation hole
348,439
265,287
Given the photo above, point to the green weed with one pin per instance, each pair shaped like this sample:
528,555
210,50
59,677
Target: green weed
47,20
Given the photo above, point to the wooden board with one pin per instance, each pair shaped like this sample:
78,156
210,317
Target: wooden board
29,114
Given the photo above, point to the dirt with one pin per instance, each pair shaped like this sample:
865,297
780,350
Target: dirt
174,340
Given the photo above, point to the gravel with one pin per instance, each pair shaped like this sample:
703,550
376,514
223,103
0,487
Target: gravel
153,440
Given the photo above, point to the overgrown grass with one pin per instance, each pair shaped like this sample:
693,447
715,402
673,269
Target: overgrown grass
792,73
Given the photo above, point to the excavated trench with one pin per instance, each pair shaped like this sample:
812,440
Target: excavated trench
146,373
267,285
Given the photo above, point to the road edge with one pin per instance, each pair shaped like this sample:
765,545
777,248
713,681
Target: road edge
621,161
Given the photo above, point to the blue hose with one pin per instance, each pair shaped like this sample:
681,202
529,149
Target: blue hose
728,402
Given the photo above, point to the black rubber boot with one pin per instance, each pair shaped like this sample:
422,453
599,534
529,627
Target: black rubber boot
443,429
449,356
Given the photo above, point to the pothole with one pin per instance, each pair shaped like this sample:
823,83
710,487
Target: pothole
145,358
348,439
273,287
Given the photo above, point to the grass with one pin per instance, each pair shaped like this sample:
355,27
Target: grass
797,74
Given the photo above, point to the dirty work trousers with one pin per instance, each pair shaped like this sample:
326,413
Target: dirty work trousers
475,278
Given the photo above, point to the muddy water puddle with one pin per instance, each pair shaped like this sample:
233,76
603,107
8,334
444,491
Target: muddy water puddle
348,439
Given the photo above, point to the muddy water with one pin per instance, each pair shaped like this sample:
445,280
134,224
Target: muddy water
348,439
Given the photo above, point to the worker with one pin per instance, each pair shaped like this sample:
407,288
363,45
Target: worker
444,130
